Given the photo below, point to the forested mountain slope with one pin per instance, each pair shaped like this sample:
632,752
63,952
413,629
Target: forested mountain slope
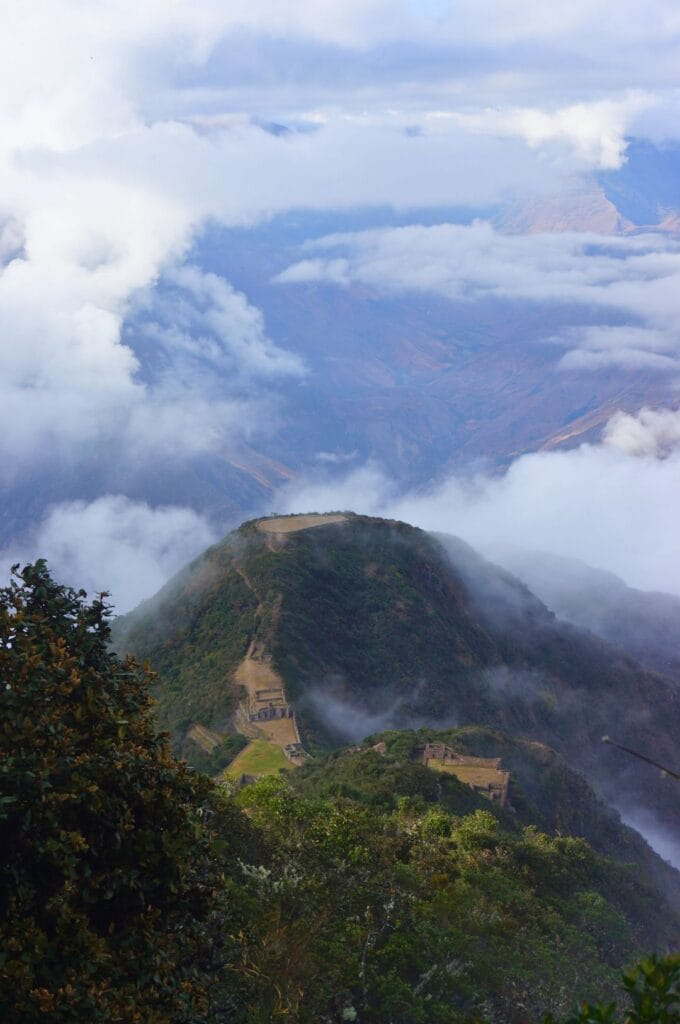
371,624
361,887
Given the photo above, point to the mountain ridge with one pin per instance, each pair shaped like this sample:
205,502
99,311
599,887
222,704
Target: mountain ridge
374,624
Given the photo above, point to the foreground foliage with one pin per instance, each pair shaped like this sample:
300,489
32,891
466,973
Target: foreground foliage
111,901
653,991
413,914
134,890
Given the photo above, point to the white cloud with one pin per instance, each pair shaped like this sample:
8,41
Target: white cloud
651,432
125,127
638,277
124,547
68,382
207,319
662,838
475,261
627,359
120,138
605,339
630,348
612,505
212,361
595,131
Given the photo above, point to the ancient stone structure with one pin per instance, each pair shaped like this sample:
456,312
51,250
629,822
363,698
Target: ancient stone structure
269,704
270,712
483,774
294,752
266,712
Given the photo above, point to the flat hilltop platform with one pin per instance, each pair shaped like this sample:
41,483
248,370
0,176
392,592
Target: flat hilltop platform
473,775
291,524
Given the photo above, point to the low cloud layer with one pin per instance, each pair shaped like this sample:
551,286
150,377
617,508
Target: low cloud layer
652,432
661,839
594,132
127,128
637,278
346,720
85,370
124,547
613,505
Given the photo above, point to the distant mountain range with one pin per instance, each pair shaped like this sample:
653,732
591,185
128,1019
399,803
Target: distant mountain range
362,625
424,385
644,624
643,194
418,384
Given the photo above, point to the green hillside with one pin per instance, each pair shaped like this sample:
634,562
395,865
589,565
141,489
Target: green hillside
404,910
544,792
194,632
363,886
373,624
259,758
394,783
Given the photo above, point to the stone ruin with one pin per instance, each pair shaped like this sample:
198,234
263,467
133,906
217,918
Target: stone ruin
295,753
270,704
483,774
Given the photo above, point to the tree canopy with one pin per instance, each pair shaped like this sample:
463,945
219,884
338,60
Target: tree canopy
135,890
110,895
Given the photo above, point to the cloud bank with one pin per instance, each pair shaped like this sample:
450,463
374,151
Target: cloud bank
116,545
126,128
612,505
636,278
593,132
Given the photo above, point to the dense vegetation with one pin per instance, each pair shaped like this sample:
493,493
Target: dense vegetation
414,914
212,762
370,615
111,901
544,792
194,632
382,618
134,890
375,622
